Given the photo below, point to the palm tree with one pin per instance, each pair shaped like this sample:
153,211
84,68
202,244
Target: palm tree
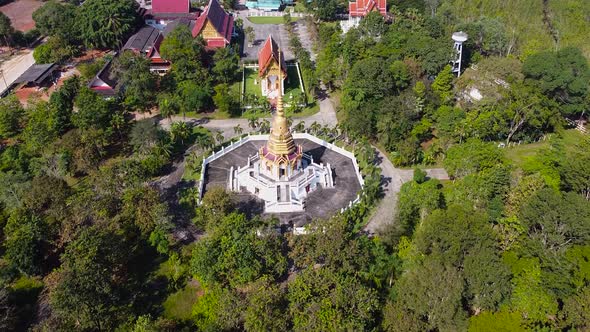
264,126
299,127
315,128
179,131
167,105
253,123
219,137
203,141
238,130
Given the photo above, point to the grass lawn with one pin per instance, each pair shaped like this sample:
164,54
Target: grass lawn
179,305
292,86
252,88
521,153
269,19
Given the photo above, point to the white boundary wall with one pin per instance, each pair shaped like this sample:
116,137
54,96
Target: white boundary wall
234,145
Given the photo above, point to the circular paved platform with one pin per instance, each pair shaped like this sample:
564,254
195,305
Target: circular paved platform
320,204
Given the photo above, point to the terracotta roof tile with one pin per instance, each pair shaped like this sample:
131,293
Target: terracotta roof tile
268,52
221,21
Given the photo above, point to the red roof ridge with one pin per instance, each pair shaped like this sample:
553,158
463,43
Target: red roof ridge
221,21
270,50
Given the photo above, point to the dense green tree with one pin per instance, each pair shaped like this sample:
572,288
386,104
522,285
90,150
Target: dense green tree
136,83
487,35
576,311
193,96
224,99
373,25
556,221
471,157
50,203
233,254
62,102
92,110
25,237
11,116
432,291
57,19
226,64
180,45
562,75
218,309
13,187
266,308
86,290
574,170
40,128
145,135
443,85
323,299
6,29
503,320
324,10
106,23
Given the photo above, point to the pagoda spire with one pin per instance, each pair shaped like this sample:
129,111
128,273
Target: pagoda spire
280,141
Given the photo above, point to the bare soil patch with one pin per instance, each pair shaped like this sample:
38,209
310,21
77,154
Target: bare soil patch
20,13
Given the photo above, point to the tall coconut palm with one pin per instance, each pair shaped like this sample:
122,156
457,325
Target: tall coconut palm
238,130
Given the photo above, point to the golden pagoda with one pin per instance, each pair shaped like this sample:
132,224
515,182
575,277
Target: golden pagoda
281,156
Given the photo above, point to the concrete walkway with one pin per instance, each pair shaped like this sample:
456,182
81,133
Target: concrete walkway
392,180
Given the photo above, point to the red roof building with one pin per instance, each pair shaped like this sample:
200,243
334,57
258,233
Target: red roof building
147,43
361,8
269,67
268,56
215,25
170,6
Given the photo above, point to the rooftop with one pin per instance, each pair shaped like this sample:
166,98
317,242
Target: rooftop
36,73
170,6
143,41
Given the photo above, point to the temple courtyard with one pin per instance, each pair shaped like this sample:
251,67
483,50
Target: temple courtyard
321,203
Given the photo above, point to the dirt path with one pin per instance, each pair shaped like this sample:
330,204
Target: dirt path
392,180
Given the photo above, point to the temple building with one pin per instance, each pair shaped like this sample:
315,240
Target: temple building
295,177
361,8
270,68
281,174
215,25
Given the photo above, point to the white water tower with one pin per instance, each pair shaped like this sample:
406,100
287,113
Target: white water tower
459,38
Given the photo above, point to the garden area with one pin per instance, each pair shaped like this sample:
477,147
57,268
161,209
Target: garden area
293,94
270,19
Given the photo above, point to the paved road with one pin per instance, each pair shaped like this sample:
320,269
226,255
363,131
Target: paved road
14,67
392,179
325,117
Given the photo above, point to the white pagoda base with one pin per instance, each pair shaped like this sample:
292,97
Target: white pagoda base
288,192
